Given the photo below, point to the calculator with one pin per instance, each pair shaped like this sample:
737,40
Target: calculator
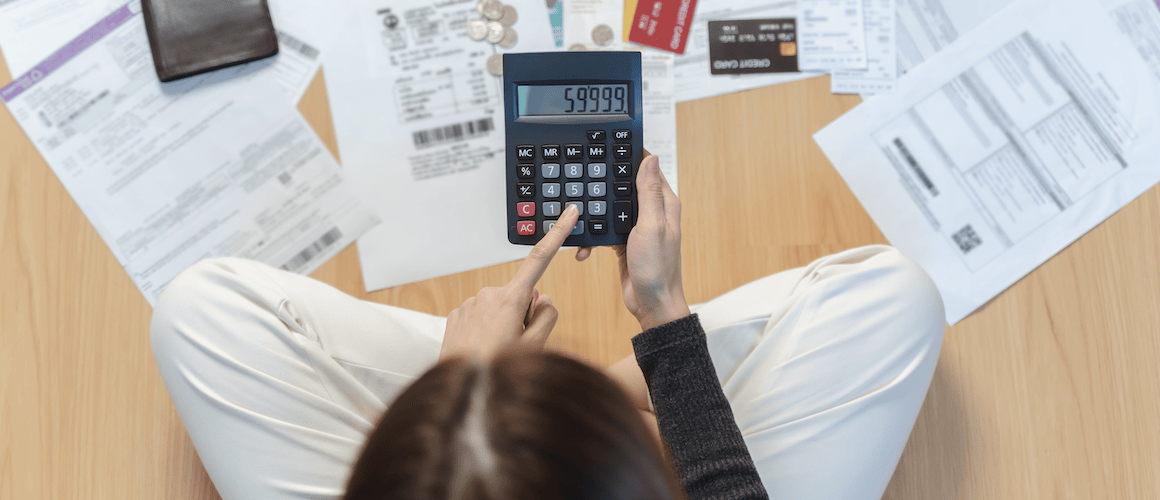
573,127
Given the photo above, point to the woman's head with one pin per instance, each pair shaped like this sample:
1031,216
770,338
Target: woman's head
526,425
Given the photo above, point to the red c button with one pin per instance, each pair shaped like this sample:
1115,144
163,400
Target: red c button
526,209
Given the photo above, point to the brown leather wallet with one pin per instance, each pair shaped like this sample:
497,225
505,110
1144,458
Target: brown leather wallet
190,37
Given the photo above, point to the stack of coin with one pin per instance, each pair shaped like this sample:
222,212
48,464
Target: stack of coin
496,27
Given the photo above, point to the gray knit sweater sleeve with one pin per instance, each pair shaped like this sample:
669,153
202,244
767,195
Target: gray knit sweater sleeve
694,417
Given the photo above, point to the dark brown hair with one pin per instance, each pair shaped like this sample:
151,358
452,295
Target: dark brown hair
527,425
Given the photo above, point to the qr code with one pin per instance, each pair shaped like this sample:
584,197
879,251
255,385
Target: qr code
966,239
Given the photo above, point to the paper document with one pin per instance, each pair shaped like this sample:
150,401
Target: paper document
881,56
30,30
692,73
1005,147
168,174
419,121
583,21
831,35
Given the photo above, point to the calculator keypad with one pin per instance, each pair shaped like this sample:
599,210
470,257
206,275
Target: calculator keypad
576,173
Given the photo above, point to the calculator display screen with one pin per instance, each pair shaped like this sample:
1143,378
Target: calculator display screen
565,100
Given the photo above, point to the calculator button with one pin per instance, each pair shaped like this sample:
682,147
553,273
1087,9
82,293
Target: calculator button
526,227
622,151
551,209
526,190
597,226
526,208
526,171
597,207
595,136
596,151
550,170
622,169
573,152
574,170
578,228
551,151
574,189
596,170
548,225
622,216
623,188
551,190
578,204
622,135
597,189
525,152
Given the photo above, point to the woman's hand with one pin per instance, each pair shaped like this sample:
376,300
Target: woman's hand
515,313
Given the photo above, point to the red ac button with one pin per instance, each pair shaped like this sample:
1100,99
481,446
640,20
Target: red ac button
526,209
526,227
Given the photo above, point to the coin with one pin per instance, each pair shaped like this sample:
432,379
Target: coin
510,16
477,29
509,38
602,35
495,64
491,9
551,3
494,32
577,47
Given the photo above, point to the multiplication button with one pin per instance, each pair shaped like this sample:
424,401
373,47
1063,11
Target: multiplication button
622,169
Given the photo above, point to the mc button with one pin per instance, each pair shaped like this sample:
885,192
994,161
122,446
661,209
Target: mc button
525,152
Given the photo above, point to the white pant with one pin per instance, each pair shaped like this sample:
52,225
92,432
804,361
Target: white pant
280,378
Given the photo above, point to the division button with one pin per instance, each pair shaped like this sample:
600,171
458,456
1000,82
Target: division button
596,151
597,226
574,189
551,209
596,170
526,189
526,208
551,189
526,227
597,189
595,136
622,151
578,204
622,221
573,152
597,207
622,135
573,170
524,153
622,169
526,171
550,151
623,188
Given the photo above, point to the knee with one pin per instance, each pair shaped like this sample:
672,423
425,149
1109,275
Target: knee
187,300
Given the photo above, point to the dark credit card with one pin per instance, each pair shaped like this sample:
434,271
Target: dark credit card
746,46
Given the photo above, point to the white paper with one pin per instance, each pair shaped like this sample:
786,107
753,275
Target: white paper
831,35
881,56
1139,20
657,75
419,122
30,30
1005,147
168,174
692,76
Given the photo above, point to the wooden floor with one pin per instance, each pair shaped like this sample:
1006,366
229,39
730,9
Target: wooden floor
1047,392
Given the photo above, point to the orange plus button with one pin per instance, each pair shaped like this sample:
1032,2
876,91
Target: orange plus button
526,227
526,209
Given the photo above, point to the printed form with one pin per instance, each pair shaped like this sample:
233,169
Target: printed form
1005,147
831,35
692,73
881,55
169,174
419,121
31,30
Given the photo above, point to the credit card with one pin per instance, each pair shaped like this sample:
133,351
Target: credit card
664,24
746,46
630,12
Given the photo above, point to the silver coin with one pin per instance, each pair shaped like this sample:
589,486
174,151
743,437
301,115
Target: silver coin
510,16
491,9
509,38
602,35
578,47
495,32
495,64
551,3
477,29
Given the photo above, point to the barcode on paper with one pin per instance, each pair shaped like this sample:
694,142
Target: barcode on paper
966,239
451,133
312,251
303,48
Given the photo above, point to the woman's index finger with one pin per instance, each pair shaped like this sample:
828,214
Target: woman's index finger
537,262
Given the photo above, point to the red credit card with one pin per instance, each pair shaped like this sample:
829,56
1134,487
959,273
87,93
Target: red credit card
664,24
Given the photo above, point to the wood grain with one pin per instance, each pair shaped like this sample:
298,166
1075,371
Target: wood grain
1049,391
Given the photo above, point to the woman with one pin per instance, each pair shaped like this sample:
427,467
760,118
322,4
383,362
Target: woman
816,373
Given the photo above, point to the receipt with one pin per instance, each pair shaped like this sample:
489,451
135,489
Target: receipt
831,35
419,121
881,56
658,77
31,30
168,174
